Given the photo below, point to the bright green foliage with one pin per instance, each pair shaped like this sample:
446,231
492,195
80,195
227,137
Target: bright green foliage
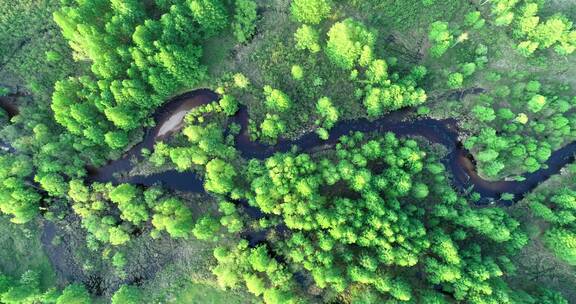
361,230
123,194
440,37
210,14
53,56
17,198
263,275
372,219
183,158
92,210
455,81
503,9
77,116
556,31
536,103
255,285
132,207
119,260
53,183
382,100
229,104
227,275
105,224
241,81
118,236
122,117
563,243
272,126
527,48
137,61
219,176
474,20
468,69
205,139
534,31
377,72
349,46
327,112
231,218
127,295
346,40
204,142
54,156
245,16
366,57
276,100
78,192
116,139
420,191
297,72
27,290
174,217
206,228
310,11
307,39
483,113
74,294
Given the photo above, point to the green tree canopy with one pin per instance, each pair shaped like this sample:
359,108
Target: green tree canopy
346,41
310,11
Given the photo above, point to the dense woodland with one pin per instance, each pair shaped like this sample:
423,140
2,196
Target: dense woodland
95,208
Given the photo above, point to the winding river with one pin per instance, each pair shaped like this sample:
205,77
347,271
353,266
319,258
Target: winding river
458,161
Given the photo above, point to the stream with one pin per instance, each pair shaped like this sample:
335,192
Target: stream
458,161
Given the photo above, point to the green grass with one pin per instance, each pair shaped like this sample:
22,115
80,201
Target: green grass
27,32
217,53
21,250
190,283
200,293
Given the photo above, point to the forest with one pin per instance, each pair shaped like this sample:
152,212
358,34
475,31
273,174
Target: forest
287,151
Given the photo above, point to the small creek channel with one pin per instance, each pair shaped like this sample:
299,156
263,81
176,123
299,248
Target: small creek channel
445,132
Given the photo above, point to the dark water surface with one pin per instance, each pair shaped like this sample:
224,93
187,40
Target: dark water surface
8,104
184,102
458,160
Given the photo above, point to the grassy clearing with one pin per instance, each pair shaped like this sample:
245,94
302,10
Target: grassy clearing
217,53
28,32
188,279
202,293
21,250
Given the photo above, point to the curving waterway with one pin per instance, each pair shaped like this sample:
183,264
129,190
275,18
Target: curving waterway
458,161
